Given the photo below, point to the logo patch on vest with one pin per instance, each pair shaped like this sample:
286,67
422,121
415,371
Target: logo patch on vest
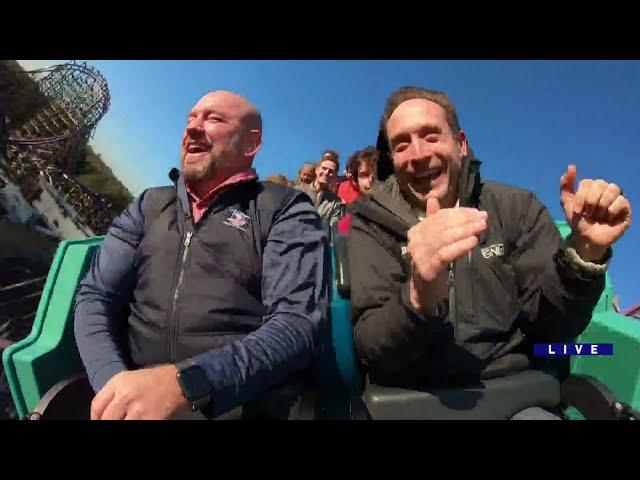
496,250
238,220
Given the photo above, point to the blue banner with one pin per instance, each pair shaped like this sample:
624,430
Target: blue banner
562,349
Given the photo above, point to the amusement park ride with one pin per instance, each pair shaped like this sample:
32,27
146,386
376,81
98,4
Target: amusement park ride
46,378
47,140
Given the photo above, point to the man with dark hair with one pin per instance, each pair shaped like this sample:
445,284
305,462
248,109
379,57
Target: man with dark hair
362,169
327,203
348,189
206,294
333,181
453,278
333,156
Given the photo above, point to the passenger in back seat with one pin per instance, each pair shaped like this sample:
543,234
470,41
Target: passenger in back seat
362,167
453,278
327,203
307,174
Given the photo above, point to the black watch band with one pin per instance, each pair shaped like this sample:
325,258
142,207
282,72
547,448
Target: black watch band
195,385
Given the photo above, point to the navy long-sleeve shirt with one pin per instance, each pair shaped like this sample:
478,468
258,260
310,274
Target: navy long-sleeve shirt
294,290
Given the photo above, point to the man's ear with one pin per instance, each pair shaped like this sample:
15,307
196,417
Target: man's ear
254,143
462,141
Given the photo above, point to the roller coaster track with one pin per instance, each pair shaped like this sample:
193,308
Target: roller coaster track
75,95
61,107
633,311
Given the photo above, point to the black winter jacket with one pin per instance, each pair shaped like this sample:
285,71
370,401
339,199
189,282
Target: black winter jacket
507,294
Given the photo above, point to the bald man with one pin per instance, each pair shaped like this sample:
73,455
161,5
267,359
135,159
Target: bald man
208,293
307,173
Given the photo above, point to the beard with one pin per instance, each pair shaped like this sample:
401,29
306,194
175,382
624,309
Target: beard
197,173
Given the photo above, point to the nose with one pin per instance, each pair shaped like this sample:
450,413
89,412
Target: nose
420,152
195,126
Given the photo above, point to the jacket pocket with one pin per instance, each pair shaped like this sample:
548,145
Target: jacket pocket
496,296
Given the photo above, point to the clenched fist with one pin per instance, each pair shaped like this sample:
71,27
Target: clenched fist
598,214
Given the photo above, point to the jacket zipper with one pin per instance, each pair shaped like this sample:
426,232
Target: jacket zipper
452,300
172,321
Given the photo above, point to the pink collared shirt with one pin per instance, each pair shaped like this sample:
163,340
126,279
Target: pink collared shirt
200,205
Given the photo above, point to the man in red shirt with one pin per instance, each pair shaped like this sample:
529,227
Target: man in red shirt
361,173
348,189
362,170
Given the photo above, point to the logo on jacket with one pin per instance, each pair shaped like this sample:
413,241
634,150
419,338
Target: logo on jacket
496,250
238,220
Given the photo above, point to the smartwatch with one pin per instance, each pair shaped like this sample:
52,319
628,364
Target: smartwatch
194,383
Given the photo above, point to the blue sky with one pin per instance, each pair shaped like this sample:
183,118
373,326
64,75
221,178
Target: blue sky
525,119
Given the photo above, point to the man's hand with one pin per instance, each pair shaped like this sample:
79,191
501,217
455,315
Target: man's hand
434,243
597,212
147,394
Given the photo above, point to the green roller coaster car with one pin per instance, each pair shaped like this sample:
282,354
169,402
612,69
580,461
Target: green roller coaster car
46,376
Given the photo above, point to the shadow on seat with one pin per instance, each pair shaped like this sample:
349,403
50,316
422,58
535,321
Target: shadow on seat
69,399
494,399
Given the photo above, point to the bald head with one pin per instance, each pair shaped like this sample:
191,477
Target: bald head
223,134
307,173
242,109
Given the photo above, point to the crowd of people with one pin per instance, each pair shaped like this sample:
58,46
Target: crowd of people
330,192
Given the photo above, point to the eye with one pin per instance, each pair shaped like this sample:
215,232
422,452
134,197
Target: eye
401,147
432,138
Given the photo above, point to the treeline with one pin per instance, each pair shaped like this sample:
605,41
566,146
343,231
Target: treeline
95,174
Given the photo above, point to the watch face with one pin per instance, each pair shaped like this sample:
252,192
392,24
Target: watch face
194,383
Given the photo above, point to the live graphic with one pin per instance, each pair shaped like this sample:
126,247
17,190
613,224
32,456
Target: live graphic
562,349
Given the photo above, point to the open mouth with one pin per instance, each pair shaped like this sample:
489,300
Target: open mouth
425,181
197,148
433,173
